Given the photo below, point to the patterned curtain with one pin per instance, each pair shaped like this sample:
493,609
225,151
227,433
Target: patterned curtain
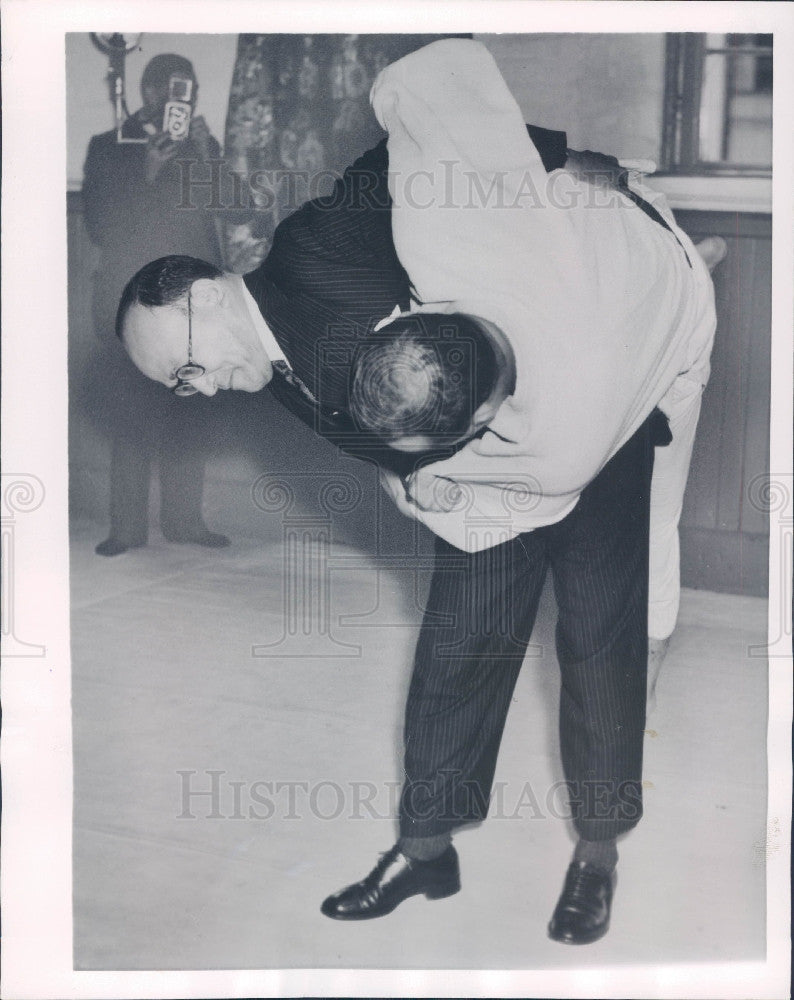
298,115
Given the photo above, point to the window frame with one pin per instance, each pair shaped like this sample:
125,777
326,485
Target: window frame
685,55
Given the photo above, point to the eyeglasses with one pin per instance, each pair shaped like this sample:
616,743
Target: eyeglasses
186,373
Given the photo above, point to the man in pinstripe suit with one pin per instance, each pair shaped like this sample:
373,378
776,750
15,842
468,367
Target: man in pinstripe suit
331,277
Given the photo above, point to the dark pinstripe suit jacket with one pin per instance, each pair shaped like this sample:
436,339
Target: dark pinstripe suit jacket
330,276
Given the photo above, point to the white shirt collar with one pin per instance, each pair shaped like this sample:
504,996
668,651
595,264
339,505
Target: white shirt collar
269,342
415,307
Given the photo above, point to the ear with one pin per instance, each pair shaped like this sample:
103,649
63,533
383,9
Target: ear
207,293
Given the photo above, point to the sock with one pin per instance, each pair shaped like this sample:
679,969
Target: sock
601,854
425,848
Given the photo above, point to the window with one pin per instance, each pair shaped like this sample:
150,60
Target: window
718,104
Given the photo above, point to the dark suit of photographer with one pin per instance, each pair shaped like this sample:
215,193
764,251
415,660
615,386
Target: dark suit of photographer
132,193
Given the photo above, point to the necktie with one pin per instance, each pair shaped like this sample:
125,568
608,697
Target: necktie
293,392
283,371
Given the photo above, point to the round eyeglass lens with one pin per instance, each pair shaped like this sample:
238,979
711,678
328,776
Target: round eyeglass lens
184,389
189,371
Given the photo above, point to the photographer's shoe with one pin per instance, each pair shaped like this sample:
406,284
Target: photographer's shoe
582,913
712,249
115,547
394,878
198,536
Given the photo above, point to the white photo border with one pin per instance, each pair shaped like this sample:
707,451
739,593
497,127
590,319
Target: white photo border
36,748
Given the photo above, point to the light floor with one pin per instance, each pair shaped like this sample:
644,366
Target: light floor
305,755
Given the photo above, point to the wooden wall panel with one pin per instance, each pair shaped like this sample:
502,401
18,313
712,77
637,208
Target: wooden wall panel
725,538
736,271
756,430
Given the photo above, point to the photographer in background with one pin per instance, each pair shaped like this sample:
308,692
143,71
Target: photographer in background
132,190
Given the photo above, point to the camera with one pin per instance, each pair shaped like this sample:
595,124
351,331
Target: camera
176,119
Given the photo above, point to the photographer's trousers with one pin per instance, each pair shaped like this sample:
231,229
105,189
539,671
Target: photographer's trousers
478,620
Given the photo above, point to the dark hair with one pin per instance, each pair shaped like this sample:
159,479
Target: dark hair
162,282
158,70
422,374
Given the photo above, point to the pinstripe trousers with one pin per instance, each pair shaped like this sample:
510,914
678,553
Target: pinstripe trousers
478,620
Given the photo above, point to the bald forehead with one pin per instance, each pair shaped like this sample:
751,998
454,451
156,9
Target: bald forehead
156,339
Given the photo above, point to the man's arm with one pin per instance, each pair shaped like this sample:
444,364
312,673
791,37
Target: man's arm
355,218
352,224
474,516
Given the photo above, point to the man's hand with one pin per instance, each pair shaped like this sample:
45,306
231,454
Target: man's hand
200,135
639,166
159,150
433,493
596,168
603,170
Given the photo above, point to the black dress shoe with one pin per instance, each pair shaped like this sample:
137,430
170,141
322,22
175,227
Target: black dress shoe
199,536
113,547
582,913
394,878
